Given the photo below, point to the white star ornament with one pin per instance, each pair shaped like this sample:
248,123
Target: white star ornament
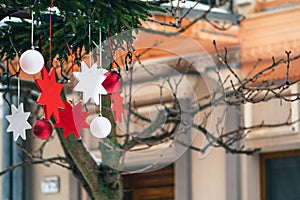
90,82
18,122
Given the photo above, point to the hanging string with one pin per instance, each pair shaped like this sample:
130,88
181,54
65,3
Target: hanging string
50,33
32,30
100,59
18,78
101,63
90,43
100,47
19,85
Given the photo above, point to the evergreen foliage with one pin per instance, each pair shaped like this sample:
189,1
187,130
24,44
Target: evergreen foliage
70,23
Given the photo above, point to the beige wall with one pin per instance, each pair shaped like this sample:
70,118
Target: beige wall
209,176
36,173
250,177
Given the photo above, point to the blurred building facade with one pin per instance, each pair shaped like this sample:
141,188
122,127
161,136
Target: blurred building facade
271,27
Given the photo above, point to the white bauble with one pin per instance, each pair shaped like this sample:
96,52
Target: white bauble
100,127
32,61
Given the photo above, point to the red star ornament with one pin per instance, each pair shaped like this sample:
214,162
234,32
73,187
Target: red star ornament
117,106
50,94
72,119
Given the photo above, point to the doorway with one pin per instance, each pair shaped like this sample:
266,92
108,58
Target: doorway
157,185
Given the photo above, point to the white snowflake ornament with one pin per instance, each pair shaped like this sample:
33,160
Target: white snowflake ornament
18,122
90,82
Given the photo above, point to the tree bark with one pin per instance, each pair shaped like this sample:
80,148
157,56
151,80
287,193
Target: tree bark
98,181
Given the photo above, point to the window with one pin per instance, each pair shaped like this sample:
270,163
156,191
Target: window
280,174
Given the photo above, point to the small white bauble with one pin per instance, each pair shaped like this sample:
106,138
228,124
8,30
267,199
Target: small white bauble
31,61
100,127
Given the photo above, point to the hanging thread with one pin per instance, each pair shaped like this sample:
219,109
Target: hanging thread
90,43
50,34
100,47
32,30
100,62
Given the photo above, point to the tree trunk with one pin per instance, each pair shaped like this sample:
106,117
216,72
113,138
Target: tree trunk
101,183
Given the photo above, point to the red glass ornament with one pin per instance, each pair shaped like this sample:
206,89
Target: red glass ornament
113,82
42,129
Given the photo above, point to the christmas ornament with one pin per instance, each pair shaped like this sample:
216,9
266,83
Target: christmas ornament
113,82
90,82
100,127
117,106
72,119
18,122
42,129
31,61
50,94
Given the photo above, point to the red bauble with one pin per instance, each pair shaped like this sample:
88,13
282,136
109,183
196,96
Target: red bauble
113,82
42,129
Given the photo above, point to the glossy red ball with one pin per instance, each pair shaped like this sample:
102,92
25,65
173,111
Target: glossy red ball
113,82
42,129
